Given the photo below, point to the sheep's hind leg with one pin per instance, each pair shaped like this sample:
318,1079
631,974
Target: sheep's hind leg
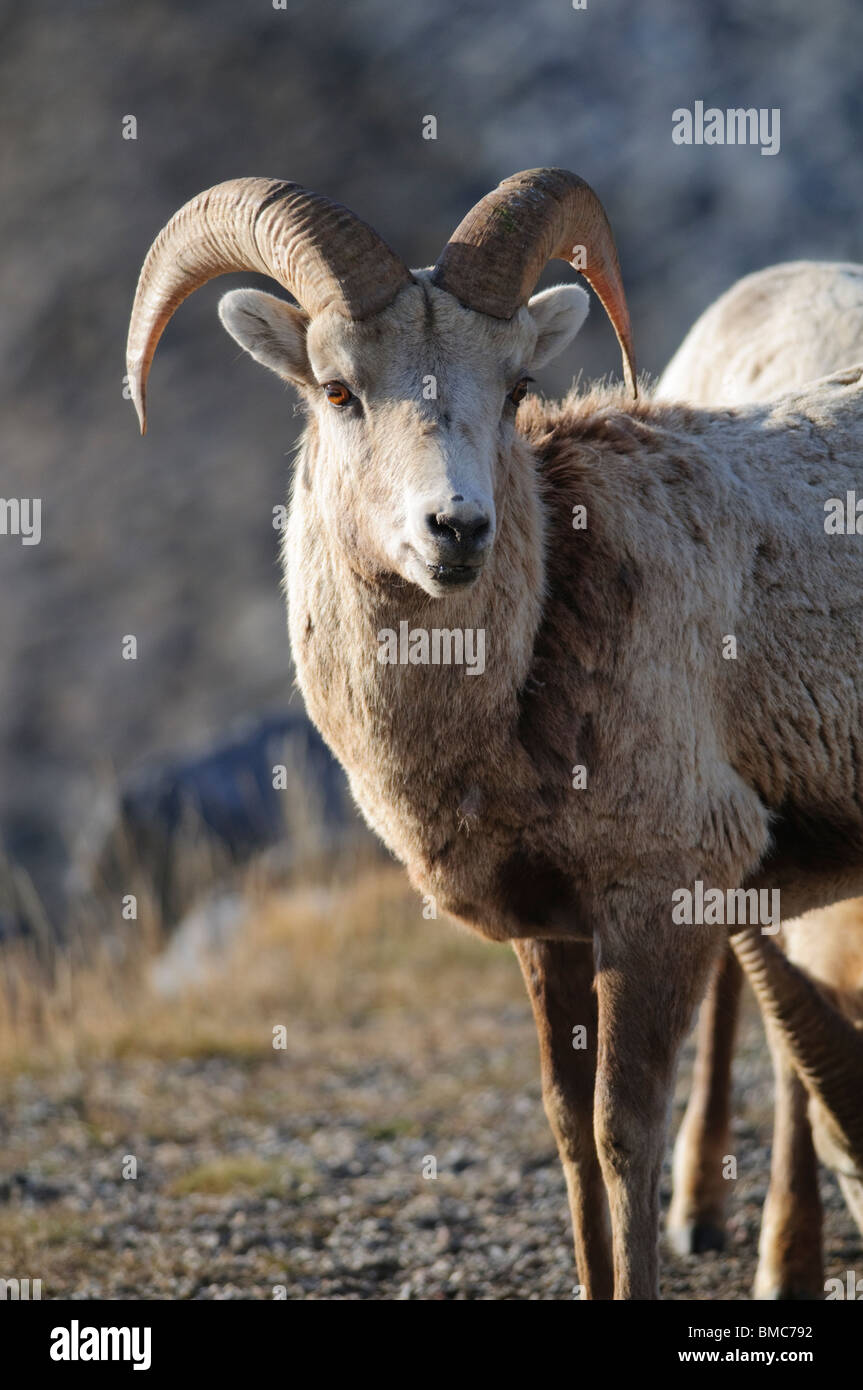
696,1219
559,979
790,1258
651,975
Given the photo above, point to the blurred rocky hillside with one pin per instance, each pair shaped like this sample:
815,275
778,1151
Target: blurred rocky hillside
171,539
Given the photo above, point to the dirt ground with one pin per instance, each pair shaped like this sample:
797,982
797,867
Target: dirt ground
300,1170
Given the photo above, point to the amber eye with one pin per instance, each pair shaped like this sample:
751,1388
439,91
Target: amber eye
519,391
337,393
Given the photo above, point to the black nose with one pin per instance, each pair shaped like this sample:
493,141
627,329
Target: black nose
460,529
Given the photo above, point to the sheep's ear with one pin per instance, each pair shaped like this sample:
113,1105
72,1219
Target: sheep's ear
558,314
273,332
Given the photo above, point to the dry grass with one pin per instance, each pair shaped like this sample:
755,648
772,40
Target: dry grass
238,1173
353,951
301,1165
399,1036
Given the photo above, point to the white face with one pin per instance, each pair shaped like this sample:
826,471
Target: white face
410,412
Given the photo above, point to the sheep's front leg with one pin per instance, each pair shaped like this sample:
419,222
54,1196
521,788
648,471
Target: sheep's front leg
650,977
697,1215
559,979
790,1258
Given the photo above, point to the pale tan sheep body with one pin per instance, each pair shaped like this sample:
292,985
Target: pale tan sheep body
418,499
773,331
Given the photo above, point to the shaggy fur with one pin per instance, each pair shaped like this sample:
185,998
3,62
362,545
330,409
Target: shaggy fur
771,332
605,648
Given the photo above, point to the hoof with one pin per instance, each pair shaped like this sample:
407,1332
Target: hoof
696,1238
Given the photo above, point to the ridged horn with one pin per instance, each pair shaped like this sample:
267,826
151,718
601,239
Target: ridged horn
319,251
497,253
825,1048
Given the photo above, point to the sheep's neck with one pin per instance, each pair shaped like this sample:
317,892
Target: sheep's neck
428,748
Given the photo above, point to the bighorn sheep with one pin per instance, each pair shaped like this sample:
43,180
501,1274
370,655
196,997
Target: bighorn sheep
608,549
812,1002
771,332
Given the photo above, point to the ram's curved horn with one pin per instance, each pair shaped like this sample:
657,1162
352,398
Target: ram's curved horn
319,251
825,1048
495,256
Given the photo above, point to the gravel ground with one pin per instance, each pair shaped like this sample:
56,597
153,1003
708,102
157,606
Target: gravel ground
300,1172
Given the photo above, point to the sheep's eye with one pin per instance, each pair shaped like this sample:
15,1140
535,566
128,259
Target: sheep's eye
519,391
337,393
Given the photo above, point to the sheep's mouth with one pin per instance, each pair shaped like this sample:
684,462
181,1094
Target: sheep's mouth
454,576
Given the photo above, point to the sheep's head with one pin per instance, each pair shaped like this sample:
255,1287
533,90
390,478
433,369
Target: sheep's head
411,410
412,380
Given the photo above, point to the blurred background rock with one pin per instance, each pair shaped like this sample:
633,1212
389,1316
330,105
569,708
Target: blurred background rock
172,538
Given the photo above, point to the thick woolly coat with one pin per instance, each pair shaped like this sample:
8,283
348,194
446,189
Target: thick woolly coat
696,648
